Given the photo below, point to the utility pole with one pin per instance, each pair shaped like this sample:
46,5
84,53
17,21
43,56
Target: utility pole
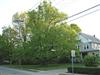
73,56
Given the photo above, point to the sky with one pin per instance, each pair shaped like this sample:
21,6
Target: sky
90,24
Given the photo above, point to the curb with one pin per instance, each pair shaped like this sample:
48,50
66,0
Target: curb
71,74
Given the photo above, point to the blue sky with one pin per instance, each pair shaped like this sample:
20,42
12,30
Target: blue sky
89,24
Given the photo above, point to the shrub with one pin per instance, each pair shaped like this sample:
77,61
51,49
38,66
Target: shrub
91,60
85,70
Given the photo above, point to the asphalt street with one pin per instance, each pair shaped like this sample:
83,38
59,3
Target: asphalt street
10,71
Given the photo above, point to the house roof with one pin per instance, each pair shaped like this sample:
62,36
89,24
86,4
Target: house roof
90,38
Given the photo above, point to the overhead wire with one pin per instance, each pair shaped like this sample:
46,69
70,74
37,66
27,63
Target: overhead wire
84,15
93,7
84,10
36,5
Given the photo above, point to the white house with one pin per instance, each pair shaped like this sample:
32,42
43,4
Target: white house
88,44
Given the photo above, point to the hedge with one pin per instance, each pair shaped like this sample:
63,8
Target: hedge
91,60
85,70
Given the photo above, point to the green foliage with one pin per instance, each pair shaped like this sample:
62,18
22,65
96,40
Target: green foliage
91,60
32,42
47,34
4,49
9,35
75,27
85,70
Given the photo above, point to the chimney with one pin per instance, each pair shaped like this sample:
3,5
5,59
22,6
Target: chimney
93,35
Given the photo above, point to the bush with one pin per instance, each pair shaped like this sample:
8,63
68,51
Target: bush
91,60
85,70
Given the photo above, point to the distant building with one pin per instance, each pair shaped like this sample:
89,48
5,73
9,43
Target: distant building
88,44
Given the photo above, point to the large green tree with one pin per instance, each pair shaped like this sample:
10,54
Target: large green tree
48,34
39,36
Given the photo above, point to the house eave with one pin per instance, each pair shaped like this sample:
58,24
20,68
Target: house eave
94,50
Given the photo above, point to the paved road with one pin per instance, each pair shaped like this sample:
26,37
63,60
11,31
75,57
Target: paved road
10,71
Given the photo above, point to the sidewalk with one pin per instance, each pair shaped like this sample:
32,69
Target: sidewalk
72,74
58,72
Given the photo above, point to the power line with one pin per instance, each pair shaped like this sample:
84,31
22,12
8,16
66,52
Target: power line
79,14
36,5
84,10
84,15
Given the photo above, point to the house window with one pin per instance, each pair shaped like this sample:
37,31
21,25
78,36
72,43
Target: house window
93,45
87,46
98,46
84,47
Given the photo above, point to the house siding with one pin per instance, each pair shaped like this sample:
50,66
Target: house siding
89,44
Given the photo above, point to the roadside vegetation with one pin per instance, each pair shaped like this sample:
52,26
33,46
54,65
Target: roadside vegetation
38,37
91,66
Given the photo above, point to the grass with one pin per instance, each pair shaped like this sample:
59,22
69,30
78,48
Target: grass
41,67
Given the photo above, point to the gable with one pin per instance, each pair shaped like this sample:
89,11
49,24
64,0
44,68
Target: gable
88,38
83,39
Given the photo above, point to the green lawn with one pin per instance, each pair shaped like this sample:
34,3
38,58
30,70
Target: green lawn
41,67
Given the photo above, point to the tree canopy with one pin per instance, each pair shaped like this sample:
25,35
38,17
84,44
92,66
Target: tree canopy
37,38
